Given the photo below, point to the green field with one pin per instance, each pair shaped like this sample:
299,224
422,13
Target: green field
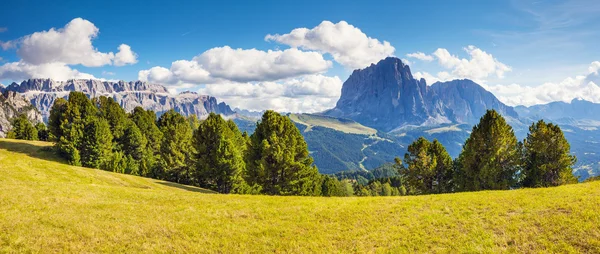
48,206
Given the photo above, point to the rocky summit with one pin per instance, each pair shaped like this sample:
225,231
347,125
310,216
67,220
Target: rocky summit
42,93
12,105
386,96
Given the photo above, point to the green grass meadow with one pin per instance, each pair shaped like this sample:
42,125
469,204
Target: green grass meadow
48,206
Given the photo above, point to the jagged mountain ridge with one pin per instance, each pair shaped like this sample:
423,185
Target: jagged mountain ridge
42,93
386,96
13,104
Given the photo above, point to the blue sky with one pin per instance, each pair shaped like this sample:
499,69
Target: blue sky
519,50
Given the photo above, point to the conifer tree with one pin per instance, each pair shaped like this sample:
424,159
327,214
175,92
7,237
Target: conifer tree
42,132
175,148
23,129
114,114
429,167
57,113
145,120
547,160
278,159
219,156
96,150
490,157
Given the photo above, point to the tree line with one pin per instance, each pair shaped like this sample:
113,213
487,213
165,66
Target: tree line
211,153
275,160
492,159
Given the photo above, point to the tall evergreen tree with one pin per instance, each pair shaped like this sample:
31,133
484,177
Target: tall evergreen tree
279,160
97,146
219,156
176,148
57,113
145,120
78,111
490,157
110,110
42,132
429,168
22,129
547,160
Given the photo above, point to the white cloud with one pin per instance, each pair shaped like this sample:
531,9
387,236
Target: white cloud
6,45
479,67
594,67
245,65
125,56
347,44
221,64
70,45
108,73
57,71
578,87
3,29
421,56
49,54
309,93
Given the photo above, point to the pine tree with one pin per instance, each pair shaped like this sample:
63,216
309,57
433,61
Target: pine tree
490,157
57,113
97,144
175,148
547,160
429,167
219,156
278,159
114,115
23,129
146,123
73,116
42,133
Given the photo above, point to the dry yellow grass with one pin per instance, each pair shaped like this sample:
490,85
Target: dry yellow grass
48,206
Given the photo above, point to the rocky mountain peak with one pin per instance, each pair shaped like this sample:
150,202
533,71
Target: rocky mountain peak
12,104
386,96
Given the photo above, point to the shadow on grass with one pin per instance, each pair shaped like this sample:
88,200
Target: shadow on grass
32,150
186,187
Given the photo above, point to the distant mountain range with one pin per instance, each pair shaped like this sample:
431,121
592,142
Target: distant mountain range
42,93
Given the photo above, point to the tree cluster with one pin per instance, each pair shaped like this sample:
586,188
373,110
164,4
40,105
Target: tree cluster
492,159
211,153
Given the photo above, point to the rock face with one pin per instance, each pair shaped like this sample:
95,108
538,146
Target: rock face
42,93
385,96
13,104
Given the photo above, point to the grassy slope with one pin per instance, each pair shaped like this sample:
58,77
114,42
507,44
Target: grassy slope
343,125
48,206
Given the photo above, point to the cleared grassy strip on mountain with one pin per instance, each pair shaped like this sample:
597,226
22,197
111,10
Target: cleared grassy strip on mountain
48,206
343,125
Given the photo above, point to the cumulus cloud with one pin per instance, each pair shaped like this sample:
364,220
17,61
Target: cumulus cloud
57,71
309,93
348,45
125,56
479,67
49,54
70,45
578,87
594,67
224,64
421,56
